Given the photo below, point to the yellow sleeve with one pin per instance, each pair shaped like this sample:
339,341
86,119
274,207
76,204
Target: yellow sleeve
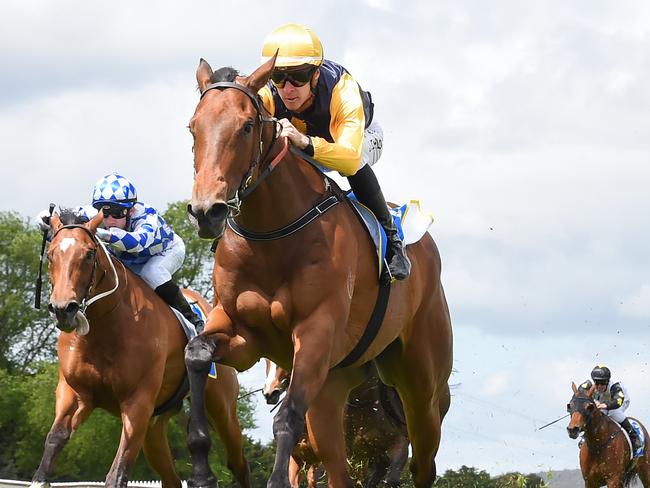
267,99
347,125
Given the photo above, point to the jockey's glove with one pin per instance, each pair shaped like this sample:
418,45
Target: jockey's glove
43,220
103,234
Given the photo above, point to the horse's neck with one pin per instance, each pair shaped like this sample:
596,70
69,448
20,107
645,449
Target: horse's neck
600,428
288,192
106,281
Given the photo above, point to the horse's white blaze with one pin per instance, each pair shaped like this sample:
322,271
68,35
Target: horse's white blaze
270,377
67,242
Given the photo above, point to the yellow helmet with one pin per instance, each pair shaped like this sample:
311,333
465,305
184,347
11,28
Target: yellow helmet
297,45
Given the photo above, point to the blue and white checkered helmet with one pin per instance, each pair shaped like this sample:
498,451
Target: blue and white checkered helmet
114,189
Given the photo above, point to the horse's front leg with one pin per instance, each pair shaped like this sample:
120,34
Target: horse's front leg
312,349
218,342
135,412
69,414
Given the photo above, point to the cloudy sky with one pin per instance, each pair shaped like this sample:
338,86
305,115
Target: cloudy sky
522,126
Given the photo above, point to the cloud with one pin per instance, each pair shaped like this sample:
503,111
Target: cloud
637,304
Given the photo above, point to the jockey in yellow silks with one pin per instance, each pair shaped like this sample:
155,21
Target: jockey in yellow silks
324,112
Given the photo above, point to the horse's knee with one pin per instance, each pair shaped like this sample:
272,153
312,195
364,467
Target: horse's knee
57,436
198,354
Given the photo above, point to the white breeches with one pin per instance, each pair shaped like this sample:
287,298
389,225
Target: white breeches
373,144
619,413
159,268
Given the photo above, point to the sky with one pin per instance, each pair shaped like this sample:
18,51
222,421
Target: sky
520,125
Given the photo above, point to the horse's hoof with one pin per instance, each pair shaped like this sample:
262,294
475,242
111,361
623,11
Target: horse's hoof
207,482
40,484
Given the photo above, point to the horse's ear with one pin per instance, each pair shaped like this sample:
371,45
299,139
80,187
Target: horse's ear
590,393
261,75
95,221
203,74
55,222
574,387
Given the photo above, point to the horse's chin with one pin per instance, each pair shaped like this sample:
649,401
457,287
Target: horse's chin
211,231
79,323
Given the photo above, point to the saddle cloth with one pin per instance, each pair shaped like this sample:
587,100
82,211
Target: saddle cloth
411,222
639,431
190,330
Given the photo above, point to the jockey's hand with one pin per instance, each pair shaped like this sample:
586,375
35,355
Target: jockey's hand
601,406
297,138
43,220
103,234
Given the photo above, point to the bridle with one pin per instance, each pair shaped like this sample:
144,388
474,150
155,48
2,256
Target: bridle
247,184
86,301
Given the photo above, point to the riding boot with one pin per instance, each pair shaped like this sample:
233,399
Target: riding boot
637,446
173,296
367,190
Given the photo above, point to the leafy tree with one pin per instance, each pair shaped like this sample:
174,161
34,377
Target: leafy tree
465,477
196,272
26,334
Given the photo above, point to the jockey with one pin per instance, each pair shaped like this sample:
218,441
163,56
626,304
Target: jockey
613,399
140,238
324,112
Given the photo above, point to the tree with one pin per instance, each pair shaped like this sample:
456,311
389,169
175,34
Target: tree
26,334
196,272
465,477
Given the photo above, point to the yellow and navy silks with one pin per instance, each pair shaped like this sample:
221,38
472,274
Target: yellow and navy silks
336,121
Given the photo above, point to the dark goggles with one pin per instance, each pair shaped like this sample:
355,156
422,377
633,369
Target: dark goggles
114,211
297,78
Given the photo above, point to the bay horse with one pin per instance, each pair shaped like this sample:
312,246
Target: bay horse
301,290
126,358
375,431
605,455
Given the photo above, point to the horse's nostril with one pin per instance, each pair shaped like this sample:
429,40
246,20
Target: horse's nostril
72,308
190,211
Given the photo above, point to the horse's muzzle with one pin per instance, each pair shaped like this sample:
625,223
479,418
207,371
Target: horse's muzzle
573,432
211,222
273,397
65,314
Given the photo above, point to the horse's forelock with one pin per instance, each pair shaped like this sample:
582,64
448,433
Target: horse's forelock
226,73
69,217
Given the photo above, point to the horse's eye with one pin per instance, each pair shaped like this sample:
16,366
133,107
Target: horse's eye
568,407
90,255
248,127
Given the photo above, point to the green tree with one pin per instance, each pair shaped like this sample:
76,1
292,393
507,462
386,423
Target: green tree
465,477
26,334
196,272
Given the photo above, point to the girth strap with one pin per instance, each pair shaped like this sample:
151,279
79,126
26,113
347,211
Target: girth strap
372,329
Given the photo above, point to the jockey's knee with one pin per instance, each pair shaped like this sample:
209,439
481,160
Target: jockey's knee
198,354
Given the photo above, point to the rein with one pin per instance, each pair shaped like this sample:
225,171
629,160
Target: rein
85,302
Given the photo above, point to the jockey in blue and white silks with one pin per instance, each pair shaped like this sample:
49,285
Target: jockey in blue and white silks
137,235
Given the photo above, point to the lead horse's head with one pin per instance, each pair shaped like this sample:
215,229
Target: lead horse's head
72,257
582,408
231,135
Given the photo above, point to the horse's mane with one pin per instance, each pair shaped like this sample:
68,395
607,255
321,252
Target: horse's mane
69,216
226,73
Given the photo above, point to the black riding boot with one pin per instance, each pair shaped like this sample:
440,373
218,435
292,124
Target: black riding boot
367,190
173,296
636,441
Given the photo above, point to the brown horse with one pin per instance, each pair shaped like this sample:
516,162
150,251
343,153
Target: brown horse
303,288
604,453
375,431
126,357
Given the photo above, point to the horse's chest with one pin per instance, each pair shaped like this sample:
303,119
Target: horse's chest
254,308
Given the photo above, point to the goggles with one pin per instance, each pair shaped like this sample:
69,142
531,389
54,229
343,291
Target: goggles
297,78
114,211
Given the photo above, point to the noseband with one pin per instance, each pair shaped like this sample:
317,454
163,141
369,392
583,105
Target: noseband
86,302
247,185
